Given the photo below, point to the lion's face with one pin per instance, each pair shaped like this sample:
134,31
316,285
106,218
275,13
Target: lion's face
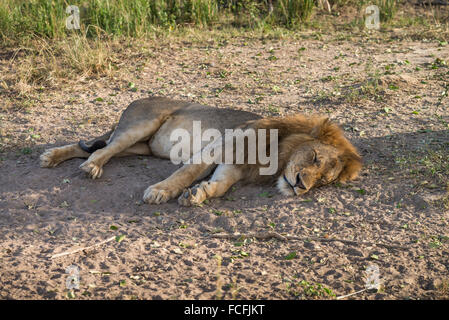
312,164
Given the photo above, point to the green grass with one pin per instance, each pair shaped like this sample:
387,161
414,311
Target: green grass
292,12
387,9
23,19
119,17
137,18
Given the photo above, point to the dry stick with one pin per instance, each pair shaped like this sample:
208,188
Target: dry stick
82,249
351,294
271,234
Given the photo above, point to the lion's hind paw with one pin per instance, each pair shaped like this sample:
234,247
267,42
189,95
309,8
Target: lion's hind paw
49,158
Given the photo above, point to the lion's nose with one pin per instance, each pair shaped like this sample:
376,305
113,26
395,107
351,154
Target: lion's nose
299,182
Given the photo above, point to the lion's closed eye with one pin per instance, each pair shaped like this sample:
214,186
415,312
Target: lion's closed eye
316,160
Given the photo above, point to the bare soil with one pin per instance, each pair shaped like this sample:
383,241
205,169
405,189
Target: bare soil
389,96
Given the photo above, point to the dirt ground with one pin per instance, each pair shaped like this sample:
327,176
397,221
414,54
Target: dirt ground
389,96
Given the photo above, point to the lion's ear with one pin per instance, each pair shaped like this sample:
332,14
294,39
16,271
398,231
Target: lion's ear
352,164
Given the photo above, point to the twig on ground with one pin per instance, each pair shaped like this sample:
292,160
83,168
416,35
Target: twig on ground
272,234
351,294
82,249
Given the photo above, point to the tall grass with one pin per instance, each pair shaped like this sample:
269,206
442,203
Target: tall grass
292,12
119,17
387,9
136,18
23,18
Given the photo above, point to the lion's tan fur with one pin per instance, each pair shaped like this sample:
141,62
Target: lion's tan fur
146,123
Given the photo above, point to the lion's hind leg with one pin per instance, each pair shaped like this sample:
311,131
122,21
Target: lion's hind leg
54,156
223,178
139,149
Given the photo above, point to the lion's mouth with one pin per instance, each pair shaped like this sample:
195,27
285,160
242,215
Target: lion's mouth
299,184
288,182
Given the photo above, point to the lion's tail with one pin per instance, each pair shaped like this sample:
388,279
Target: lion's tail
99,144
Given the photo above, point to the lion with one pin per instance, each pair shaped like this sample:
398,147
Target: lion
312,151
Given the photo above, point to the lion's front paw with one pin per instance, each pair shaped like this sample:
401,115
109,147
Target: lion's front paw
192,196
92,169
155,195
50,158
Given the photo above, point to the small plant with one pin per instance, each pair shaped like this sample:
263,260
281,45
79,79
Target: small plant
315,290
290,256
26,150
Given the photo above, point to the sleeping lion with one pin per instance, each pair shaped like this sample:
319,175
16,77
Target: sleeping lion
311,151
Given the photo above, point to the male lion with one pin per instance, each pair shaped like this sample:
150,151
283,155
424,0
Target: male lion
312,151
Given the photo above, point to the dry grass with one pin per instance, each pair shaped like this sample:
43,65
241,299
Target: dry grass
43,63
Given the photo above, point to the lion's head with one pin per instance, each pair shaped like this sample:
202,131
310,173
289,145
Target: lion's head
315,158
312,164
313,151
